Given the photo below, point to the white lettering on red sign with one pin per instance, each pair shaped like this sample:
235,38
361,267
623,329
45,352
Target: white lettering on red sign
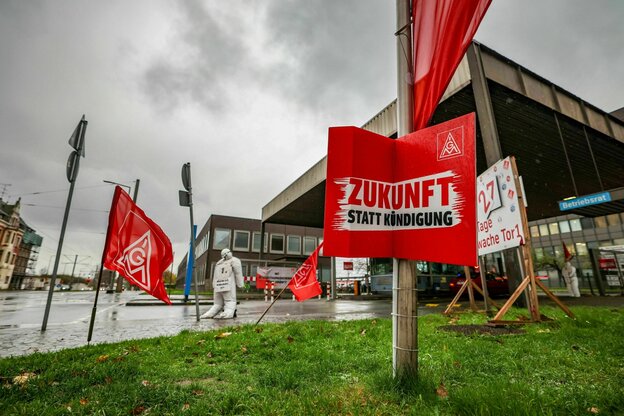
427,202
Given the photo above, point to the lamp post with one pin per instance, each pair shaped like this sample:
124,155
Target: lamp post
136,187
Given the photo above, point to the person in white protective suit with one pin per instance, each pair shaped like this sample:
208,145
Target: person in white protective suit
569,275
228,275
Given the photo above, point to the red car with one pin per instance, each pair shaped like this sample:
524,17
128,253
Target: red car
496,285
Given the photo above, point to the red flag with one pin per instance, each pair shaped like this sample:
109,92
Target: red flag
136,246
566,253
442,31
304,284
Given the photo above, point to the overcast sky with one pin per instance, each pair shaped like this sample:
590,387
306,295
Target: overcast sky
243,90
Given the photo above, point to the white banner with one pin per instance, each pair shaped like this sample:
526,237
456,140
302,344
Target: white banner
499,222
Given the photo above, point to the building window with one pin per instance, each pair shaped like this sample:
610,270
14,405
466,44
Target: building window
293,245
241,240
575,225
255,242
564,227
534,231
613,219
309,245
581,249
553,228
601,222
221,238
539,253
587,223
277,243
543,228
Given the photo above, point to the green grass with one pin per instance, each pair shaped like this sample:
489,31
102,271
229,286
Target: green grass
565,367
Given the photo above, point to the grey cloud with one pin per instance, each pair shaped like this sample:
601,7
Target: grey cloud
205,55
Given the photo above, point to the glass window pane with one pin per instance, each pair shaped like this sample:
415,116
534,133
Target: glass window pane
241,240
553,228
564,227
256,242
293,244
601,222
309,245
539,253
575,225
581,249
543,228
613,219
535,231
587,223
221,238
277,243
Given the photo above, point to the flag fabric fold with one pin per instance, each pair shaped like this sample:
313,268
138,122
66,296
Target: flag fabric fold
442,32
136,246
566,253
304,284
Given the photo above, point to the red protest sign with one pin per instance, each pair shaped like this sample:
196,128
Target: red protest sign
411,198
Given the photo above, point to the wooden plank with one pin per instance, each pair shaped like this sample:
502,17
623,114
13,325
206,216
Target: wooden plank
469,282
512,299
555,299
483,294
455,299
407,320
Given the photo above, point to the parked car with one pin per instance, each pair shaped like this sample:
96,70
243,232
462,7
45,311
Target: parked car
496,285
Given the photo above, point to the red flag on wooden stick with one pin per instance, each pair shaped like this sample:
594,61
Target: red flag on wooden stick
304,284
136,246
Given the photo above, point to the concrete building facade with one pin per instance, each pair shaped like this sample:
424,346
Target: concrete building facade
564,147
283,246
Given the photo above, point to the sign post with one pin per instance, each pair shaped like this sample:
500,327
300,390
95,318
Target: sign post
186,200
77,141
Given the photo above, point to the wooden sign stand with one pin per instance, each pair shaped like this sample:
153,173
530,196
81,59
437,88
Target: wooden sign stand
529,281
470,285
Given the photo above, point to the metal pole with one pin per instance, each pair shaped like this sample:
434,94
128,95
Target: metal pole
71,279
97,293
72,181
58,257
193,254
136,190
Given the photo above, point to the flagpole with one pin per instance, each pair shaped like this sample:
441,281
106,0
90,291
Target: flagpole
99,281
97,293
275,300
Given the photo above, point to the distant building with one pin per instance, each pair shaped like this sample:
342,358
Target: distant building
19,248
11,235
284,246
27,256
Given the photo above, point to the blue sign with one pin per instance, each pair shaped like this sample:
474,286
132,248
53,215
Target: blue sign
584,201
189,267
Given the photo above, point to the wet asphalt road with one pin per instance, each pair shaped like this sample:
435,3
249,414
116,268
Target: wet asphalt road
118,318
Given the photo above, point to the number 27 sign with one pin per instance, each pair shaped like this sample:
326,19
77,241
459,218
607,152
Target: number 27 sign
499,220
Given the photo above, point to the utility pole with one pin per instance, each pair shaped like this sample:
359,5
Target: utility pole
404,278
4,188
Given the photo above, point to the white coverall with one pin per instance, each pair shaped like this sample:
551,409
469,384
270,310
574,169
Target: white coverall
228,275
569,275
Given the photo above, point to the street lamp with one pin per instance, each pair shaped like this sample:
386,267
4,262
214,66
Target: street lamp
136,188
